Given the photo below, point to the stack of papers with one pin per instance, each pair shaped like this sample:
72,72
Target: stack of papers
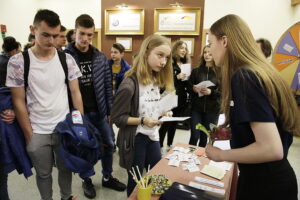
213,171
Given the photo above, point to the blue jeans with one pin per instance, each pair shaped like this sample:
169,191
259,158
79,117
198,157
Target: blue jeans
3,185
106,133
205,119
146,152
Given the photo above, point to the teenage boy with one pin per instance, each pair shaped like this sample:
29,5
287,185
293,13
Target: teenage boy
96,88
61,40
43,102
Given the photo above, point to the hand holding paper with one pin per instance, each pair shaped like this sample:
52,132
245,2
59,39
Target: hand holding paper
204,84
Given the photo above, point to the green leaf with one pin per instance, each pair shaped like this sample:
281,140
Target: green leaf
202,128
212,126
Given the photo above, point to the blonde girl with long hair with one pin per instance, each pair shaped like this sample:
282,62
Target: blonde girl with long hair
136,106
260,110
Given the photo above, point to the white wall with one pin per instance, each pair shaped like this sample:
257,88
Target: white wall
18,15
266,18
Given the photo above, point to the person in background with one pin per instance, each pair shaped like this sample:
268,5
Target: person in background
265,46
42,103
31,41
136,109
118,65
60,40
180,56
10,47
260,110
205,102
96,88
70,36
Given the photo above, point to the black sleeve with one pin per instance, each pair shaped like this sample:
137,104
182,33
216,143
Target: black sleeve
249,100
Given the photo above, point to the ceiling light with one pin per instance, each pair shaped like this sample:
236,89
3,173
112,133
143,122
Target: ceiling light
176,5
123,5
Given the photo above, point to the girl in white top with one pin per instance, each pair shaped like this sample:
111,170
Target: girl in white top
151,71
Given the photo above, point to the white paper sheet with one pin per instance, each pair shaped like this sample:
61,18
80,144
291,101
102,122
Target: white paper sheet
169,119
168,102
204,84
186,69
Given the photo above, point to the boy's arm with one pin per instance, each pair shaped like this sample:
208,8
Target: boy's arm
76,95
18,99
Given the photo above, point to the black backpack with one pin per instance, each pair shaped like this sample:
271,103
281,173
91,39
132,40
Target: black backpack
63,61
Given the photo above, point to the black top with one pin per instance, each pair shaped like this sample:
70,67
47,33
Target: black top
86,81
251,104
180,86
3,69
207,103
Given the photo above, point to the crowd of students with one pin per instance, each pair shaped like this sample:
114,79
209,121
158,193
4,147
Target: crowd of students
47,78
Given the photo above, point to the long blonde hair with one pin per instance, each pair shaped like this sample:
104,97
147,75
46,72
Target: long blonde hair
143,71
243,52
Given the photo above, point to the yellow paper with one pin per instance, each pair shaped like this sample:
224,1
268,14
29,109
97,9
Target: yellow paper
214,172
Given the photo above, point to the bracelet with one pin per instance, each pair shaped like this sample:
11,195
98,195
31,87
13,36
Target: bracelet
142,121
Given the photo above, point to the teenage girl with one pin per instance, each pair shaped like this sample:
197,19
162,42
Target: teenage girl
205,102
261,110
136,106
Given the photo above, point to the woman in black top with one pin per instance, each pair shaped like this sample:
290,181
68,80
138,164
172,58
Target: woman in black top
205,101
261,111
180,56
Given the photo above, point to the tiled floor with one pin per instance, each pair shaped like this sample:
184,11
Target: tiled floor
22,189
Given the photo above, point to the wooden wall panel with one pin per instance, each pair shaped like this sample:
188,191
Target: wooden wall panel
148,6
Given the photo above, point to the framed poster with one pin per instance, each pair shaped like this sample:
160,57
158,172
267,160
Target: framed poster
174,21
190,42
126,42
204,41
124,22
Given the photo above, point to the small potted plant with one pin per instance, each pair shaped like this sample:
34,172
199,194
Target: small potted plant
215,133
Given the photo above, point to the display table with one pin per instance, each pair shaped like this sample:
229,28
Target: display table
177,174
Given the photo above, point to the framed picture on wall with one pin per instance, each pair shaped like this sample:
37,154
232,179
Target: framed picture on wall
124,22
190,42
126,42
173,21
204,41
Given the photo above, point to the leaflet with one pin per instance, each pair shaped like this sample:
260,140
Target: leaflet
169,119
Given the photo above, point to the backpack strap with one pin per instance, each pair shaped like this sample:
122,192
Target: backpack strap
63,60
26,68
